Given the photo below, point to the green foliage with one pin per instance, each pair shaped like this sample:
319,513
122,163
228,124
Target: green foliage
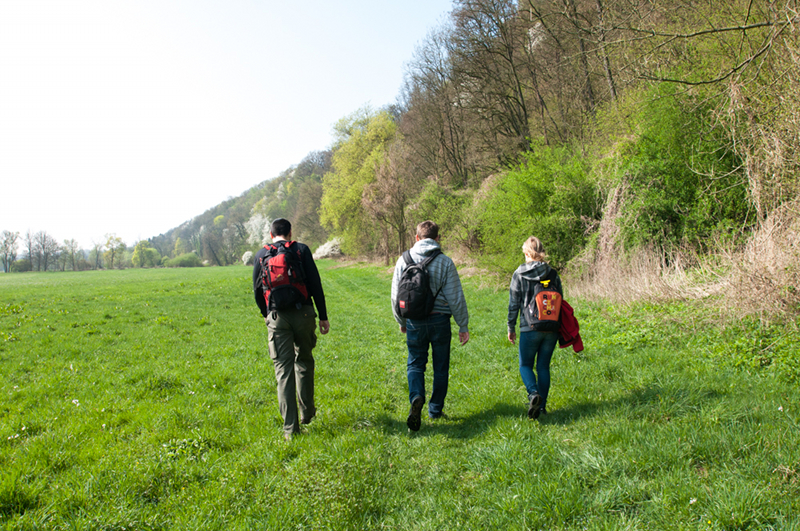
550,196
684,186
456,211
144,255
361,142
754,345
185,260
21,266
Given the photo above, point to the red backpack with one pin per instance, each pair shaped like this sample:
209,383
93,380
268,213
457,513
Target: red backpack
282,277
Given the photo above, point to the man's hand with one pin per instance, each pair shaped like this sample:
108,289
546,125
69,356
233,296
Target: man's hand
463,337
324,326
402,329
512,336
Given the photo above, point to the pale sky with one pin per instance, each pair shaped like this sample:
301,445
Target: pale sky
133,116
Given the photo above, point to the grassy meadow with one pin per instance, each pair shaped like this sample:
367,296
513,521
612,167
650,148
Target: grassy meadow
145,399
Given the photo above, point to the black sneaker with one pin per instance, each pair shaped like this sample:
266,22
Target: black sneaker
540,411
533,405
414,421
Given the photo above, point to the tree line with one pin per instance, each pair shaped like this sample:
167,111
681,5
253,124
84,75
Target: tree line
603,126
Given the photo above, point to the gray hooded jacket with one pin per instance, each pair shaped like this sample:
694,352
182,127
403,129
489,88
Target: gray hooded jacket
521,291
443,274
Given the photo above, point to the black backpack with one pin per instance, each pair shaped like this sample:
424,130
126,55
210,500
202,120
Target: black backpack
543,313
415,299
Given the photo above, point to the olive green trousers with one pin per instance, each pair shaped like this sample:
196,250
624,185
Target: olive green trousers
292,337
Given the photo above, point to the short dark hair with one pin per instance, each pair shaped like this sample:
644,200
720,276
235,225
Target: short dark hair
428,229
281,227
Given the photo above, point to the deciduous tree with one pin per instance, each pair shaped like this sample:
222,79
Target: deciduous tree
114,249
387,198
8,249
46,248
361,141
71,249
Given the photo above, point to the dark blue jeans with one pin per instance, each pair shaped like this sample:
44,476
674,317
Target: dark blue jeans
536,347
420,333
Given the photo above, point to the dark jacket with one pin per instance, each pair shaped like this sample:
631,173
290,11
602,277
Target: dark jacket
313,282
520,293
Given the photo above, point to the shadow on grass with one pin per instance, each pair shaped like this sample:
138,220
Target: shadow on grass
454,426
652,401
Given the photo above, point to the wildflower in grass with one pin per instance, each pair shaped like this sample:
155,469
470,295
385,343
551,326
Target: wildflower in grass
77,404
780,408
692,501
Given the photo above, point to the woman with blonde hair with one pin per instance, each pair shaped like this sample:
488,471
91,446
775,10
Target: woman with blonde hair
536,342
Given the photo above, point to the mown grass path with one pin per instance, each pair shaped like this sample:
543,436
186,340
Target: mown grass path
144,399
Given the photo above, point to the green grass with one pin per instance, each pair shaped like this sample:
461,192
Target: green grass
145,399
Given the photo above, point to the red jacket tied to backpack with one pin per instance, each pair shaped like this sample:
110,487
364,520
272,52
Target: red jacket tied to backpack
569,332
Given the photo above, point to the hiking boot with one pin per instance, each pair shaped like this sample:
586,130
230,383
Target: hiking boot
533,405
437,416
414,421
306,421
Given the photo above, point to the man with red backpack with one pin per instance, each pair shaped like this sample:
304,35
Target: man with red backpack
287,285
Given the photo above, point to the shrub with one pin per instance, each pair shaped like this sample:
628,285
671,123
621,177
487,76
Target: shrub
455,211
684,183
550,196
185,260
21,266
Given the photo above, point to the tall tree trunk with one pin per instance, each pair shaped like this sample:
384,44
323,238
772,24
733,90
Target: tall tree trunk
606,63
588,92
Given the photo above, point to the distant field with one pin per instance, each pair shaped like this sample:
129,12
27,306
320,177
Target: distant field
144,399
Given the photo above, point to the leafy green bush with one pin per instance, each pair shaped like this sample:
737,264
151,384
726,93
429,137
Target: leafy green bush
185,260
21,266
684,183
550,196
454,211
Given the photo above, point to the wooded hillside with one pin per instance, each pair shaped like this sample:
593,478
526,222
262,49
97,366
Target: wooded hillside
620,132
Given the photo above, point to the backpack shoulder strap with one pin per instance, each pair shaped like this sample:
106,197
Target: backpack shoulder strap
407,257
427,261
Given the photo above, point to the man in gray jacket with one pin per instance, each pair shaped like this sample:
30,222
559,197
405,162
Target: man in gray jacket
433,331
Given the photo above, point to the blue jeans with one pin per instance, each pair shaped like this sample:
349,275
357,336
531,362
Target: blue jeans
434,331
536,347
